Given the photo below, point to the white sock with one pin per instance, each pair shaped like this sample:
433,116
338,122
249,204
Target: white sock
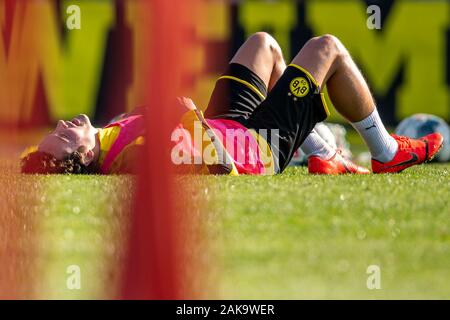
315,145
381,145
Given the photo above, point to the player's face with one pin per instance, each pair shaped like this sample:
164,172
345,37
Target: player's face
77,134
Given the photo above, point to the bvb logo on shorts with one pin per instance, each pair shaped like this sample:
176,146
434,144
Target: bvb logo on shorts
299,87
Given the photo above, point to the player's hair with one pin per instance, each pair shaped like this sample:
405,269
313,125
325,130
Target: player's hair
44,163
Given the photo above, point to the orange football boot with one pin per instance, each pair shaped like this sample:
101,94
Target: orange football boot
410,152
336,165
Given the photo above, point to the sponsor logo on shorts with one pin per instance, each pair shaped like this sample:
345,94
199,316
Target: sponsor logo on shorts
299,87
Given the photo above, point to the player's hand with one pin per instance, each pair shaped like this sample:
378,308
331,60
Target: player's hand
186,102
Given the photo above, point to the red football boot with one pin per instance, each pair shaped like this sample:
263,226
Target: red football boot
336,165
410,152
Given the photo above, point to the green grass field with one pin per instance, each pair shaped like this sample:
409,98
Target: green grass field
59,221
291,236
301,236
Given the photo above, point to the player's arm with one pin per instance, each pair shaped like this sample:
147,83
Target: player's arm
225,164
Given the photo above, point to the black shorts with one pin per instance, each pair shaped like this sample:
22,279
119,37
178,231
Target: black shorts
285,116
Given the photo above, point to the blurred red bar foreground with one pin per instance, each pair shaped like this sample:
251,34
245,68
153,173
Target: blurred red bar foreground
17,237
154,249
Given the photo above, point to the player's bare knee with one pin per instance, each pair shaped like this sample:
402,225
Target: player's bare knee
266,42
328,46
277,53
262,37
327,43
335,44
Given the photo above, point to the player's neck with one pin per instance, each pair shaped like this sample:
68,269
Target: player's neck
97,147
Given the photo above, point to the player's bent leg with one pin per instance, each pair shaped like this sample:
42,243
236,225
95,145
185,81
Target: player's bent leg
330,64
251,73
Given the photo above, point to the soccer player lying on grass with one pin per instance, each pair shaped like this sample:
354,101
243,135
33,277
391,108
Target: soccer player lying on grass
275,106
